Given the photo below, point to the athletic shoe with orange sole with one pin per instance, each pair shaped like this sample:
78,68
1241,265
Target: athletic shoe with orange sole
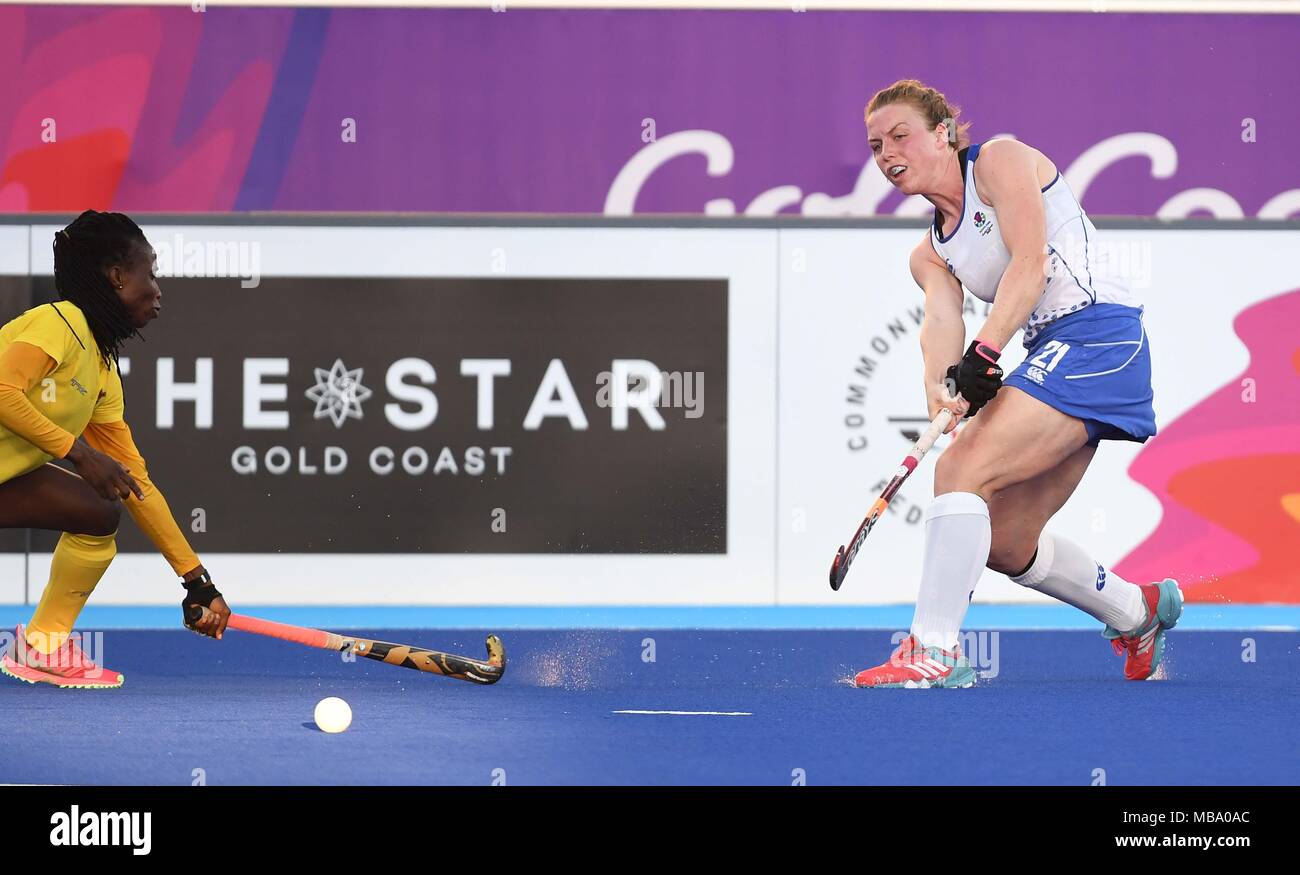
913,667
1144,647
66,667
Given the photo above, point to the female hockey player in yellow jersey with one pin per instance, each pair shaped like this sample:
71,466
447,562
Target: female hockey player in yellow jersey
61,398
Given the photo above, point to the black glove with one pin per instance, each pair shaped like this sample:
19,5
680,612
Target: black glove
978,377
199,591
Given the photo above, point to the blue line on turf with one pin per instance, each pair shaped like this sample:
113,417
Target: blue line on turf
1195,616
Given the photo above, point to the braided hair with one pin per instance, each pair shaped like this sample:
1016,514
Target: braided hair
83,251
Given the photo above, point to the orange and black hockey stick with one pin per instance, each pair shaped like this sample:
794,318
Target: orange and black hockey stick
844,557
462,668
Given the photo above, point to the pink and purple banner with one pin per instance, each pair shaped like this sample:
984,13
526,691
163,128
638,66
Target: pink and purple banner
551,111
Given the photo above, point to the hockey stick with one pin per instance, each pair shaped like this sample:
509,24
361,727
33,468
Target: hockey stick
447,664
844,558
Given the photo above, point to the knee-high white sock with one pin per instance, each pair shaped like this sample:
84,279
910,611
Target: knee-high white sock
1065,571
957,538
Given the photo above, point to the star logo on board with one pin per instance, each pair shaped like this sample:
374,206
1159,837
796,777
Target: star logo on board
338,393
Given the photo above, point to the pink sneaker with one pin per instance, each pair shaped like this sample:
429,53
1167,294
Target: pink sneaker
67,667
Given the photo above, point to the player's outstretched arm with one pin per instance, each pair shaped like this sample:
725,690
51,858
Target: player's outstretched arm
154,517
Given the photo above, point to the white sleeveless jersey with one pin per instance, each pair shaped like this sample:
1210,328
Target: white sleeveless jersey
1079,274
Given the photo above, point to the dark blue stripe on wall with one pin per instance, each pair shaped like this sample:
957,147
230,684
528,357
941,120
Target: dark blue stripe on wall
284,111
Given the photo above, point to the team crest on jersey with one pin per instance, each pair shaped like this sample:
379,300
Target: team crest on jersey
982,223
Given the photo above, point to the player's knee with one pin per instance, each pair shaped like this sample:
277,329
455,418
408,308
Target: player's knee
947,471
961,469
100,519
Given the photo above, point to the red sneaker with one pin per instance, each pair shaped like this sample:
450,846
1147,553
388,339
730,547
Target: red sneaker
914,667
1143,648
67,667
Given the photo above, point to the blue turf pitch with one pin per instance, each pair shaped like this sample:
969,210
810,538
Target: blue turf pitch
1056,713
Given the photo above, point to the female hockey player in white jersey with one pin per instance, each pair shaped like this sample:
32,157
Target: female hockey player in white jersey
1008,228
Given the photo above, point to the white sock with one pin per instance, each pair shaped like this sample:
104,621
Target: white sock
957,538
1065,571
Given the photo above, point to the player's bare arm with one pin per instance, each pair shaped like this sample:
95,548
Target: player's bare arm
943,332
1010,178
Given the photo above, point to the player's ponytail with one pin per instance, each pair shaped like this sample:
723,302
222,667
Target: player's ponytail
928,101
83,251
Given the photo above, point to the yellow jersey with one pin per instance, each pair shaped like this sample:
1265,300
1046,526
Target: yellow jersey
81,389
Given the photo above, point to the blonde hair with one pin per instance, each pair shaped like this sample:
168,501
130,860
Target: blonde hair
933,106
